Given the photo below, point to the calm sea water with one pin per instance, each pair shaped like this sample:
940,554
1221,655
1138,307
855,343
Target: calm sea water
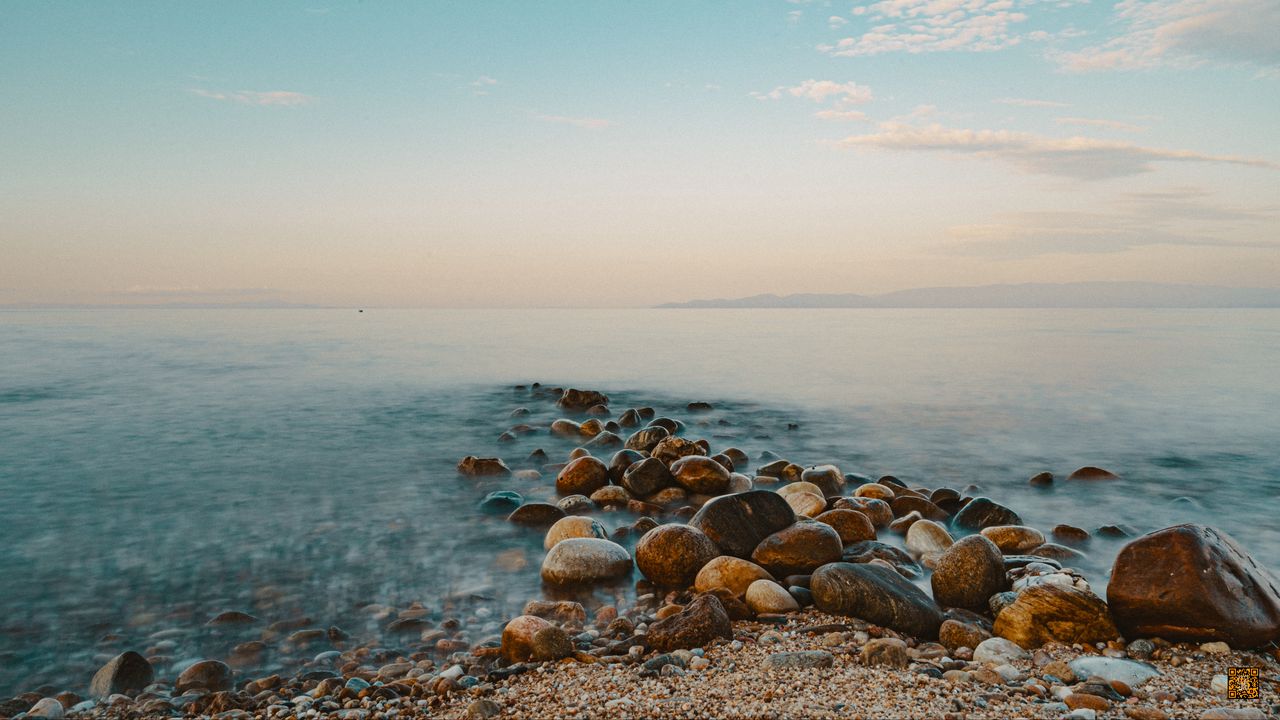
157,467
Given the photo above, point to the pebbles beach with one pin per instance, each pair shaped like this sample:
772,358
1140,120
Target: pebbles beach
682,577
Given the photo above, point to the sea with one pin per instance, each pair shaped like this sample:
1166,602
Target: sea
160,466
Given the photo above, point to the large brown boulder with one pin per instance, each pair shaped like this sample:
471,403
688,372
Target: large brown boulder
737,523
968,573
851,525
700,474
697,625
672,555
798,549
579,561
647,438
1193,582
580,400
982,512
1055,613
731,573
671,448
876,594
647,477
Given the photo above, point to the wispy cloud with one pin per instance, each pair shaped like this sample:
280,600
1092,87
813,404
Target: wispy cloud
1184,33
1099,123
1073,157
587,123
277,98
819,91
1027,102
1185,216
841,115
484,81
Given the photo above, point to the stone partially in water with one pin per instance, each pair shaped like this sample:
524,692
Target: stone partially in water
969,573
647,477
1014,539
501,501
851,525
907,504
672,555
671,448
611,497
1091,473
798,549
581,400
647,438
473,466
582,476
535,514
700,474
1195,583
701,622
827,477
737,523
806,504
731,573
1055,613
578,561
982,512
927,537
573,526
876,594
878,511
873,550
125,673
207,675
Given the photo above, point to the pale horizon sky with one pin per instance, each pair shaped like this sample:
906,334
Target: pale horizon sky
515,154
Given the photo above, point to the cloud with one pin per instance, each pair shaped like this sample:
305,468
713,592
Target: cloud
587,123
1074,157
1177,216
835,22
842,115
820,91
1024,102
484,81
1095,122
278,98
1184,33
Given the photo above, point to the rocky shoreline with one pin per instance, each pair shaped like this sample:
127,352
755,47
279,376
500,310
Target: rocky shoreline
748,587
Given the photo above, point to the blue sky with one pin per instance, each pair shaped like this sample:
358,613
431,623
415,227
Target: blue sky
602,154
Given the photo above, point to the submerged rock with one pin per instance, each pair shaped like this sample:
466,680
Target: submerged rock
536,514
737,523
1091,473
646,477
1014,539
1193,582
671,448
582,476
876,594
647,438
581,400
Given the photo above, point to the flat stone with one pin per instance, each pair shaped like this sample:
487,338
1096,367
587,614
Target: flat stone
737,523
1055,613
801,660
577,561
876,594
1129,672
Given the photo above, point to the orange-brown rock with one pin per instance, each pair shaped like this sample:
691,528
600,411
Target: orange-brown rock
851,525
731,573
798,549
582,476
699,474
1055,613
1193,582
672,555
671,448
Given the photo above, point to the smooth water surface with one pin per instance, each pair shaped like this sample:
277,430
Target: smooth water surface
157,467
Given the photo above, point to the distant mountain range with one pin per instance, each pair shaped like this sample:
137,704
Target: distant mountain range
1027,295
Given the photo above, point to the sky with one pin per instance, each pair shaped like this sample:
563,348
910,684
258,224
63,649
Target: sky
608,154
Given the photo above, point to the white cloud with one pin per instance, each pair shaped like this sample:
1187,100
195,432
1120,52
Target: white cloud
849,93
1024,102
1099,123
922,26
1074,157
835,22
484,81
1184,33
283,98
586,123
841,115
